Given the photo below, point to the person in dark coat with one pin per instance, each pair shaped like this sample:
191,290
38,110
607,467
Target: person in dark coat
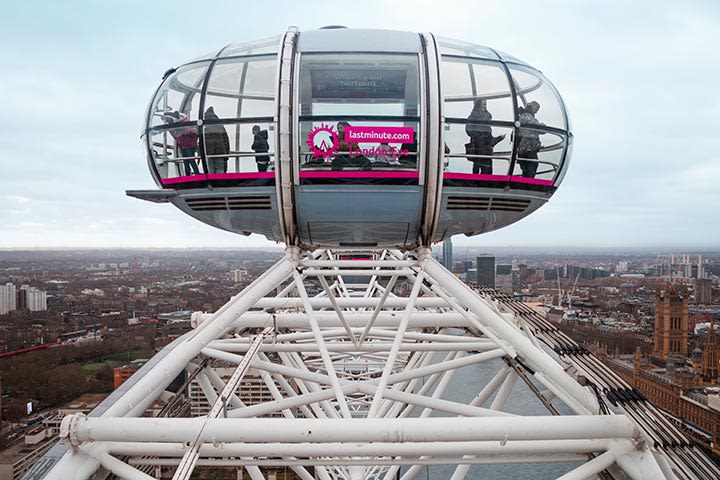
217,143
260,145
529,140
482,141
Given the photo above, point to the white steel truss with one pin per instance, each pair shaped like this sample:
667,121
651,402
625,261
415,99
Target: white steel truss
358,357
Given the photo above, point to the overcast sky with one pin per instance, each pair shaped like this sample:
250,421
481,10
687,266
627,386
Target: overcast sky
640,80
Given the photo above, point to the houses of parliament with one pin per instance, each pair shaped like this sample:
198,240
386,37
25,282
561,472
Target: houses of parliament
682,382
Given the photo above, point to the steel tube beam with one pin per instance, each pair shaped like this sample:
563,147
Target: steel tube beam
122,469
593,467
221,322
341,462
443,366
361,449
349,302
329,368
80,429
536,358
367,347
436,403
336,272
392,355
355,264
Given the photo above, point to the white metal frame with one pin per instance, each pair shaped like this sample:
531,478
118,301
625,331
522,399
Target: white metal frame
355,372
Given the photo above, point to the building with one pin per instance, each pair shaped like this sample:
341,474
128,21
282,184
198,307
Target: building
673,394
504,283
703,291
121,374
40,435
238,275
711,358
504,278
251,390
34,299
8,298
485,271
447,256
671,323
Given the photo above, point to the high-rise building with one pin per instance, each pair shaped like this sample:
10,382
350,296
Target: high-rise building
671,323
36,299
238,275
504,279
700,268
703,291
8,298
447,256
31,298
486,271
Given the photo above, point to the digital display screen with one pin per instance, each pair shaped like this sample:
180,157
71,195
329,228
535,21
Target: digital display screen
371,84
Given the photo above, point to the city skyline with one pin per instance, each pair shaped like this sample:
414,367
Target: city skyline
643,173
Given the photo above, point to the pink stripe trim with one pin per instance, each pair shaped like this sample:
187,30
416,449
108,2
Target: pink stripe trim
240,175
532,181
358,174
475,176
184,179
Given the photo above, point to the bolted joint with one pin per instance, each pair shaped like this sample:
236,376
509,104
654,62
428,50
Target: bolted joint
69,428
424,253
293,253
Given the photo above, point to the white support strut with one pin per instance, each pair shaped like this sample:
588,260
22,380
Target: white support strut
359,378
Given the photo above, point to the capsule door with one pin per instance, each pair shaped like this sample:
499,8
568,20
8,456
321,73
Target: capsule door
357,165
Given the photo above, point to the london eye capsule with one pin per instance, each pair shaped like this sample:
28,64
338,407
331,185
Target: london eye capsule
356,138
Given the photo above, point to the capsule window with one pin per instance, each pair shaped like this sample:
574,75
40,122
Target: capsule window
464,81
478,148
359,112
242,88
450,46
533,88
257,47
174,152
180,93
239,147
539,153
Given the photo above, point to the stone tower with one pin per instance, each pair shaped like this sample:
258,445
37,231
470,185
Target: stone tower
671,323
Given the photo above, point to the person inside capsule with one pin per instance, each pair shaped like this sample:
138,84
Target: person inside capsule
482,143
529,140
186,140
348,152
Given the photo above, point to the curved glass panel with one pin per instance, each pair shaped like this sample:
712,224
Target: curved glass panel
174,152
207,56
449,46
256,47
242,88
539,154
354,147
465,81
238,148
510,58
532,86
179,93
477,148
359,112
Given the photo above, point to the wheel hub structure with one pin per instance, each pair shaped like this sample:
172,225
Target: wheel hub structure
362,354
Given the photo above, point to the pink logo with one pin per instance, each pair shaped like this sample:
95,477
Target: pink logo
323,141
380,134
